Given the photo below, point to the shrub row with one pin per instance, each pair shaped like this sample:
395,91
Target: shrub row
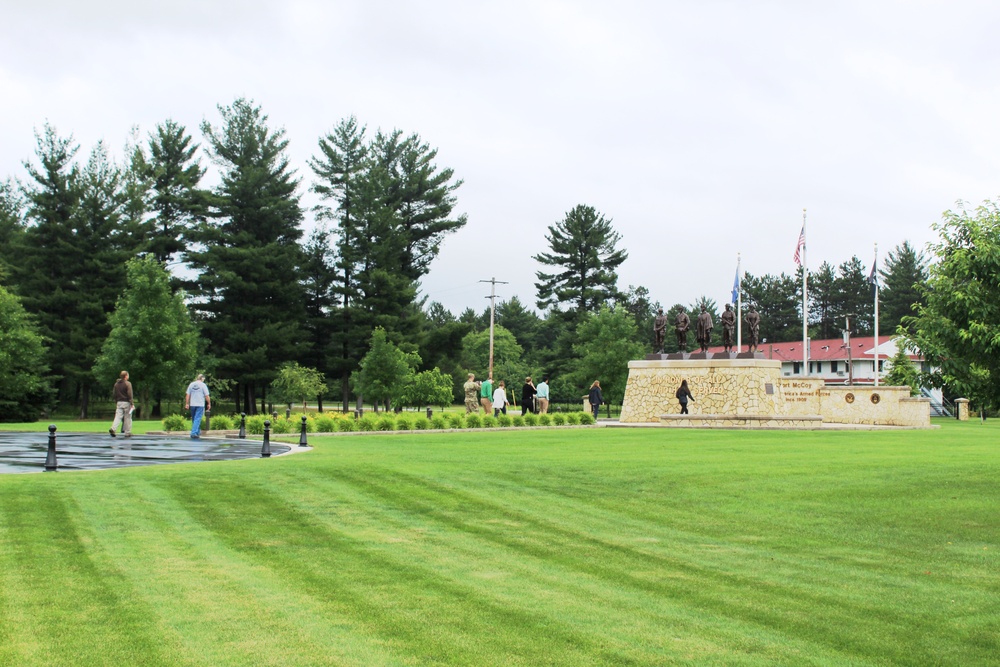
331,422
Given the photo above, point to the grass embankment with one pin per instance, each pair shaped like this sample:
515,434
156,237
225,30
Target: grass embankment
578,547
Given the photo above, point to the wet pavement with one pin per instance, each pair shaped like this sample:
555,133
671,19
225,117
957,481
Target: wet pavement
26,452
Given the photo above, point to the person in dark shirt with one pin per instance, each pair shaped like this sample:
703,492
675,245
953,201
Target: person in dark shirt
596,397
123,406
528,396
683,395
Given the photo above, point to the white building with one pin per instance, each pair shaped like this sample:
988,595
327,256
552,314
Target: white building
831,360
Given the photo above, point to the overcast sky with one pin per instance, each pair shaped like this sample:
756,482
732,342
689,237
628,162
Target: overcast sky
702,129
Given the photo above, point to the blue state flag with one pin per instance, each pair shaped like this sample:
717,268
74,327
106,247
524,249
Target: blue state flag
736,286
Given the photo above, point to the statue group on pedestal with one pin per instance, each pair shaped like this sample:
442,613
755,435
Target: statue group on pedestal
704,326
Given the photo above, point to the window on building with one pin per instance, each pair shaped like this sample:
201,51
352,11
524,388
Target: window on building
834,367
796,367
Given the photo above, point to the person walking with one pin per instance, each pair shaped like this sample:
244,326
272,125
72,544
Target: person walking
528,392
500,400
471,388
486,395
197,400
122,393
542,394
595,397
683,395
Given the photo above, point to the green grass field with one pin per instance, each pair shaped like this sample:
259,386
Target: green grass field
555,547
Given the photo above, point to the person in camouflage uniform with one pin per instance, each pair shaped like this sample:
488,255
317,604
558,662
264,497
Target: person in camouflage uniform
471,394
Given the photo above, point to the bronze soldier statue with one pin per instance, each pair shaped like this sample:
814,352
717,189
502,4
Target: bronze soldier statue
659,329
753,328
681,325
704,329
728,318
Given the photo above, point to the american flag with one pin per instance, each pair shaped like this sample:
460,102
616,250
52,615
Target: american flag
800,246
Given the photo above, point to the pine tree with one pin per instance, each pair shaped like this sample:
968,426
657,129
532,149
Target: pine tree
49,274
249,289
583,246
823,302
778,299
855,298
903,276
393,208
174,174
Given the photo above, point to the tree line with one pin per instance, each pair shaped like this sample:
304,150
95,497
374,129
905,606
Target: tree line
106,265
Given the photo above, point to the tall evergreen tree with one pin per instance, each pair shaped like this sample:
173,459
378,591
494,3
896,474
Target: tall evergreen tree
823,302
903,277
583,246
319,282
106,242
174,173
49,273
339,168
778,299
249,290
393,207
71,265
135,191
855,298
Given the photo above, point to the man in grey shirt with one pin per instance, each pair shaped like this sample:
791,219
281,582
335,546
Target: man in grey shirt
197,400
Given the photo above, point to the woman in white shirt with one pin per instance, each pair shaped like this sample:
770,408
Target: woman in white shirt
500,400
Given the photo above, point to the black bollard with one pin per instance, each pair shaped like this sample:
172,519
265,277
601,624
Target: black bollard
288,413
274,415
265,451
243,426
302,435
51,465
208,420
429,413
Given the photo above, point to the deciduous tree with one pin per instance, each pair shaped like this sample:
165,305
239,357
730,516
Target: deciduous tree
607,344
297,383
957,327
384,371
24,389
152,337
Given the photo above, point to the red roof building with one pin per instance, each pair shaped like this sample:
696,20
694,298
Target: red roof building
831,360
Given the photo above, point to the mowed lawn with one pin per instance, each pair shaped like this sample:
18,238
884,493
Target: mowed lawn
543,547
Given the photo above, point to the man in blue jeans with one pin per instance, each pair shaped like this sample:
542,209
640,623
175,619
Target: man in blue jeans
197,400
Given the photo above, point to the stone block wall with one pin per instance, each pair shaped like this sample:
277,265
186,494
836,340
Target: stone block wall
720,387
728,391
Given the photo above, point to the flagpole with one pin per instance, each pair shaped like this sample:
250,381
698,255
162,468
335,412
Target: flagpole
875,277
805,302
739,307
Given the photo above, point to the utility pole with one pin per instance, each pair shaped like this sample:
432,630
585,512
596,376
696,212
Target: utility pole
847,344
493,308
